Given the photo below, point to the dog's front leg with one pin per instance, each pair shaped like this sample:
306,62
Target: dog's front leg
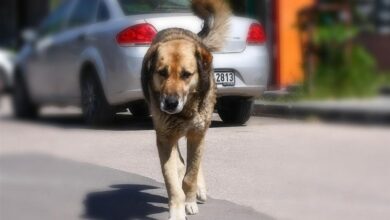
202,190
195,147
168,152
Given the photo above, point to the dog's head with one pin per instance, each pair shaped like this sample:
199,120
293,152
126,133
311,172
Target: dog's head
177,69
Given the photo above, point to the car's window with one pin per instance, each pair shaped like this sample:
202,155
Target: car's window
102,13
83,13
55,21
131,7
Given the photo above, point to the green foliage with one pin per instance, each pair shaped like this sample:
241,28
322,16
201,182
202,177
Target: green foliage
344,68
345,74
384,78
338,34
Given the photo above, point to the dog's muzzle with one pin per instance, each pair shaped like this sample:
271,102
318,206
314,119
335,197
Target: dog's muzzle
171,104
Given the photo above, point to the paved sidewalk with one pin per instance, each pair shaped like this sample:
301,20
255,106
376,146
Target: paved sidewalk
370,110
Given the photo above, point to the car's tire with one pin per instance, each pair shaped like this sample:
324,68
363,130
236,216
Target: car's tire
235,110
2,81
139,109
23,107
96,109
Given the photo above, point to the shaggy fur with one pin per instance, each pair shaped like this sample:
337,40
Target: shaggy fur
179,64
216,15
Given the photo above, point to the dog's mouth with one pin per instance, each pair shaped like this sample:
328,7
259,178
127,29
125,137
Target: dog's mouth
172,104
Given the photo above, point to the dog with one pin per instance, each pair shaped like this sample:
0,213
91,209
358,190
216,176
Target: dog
179,87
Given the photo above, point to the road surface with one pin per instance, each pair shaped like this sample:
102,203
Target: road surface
58,168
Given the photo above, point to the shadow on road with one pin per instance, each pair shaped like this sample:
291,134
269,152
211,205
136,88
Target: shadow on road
124,202
73,119
122,122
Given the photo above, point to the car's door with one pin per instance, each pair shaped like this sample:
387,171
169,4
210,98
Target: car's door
42,66
75,40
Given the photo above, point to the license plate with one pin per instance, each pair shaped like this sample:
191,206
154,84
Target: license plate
225,78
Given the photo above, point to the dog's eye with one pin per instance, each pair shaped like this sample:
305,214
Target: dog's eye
186,75
163,72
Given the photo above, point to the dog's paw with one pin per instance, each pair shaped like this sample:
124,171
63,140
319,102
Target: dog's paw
178,218
192,208
201,195
177,214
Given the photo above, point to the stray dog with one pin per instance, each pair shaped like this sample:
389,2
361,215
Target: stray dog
179,87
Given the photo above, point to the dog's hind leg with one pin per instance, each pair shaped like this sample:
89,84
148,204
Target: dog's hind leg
195,141
167,148
201,194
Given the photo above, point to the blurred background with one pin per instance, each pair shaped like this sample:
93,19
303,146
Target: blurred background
303,38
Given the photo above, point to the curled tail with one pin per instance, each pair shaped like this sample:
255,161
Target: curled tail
216,14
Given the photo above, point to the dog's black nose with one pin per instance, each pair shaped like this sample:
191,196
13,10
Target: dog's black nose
171,103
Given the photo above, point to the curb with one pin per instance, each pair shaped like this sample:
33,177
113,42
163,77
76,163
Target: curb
368,114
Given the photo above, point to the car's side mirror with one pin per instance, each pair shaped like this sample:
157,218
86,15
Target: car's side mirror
29,35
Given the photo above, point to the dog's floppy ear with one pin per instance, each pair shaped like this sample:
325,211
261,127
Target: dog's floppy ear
148,68
204,62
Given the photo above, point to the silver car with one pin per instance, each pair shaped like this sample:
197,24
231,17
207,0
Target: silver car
6,70
89,53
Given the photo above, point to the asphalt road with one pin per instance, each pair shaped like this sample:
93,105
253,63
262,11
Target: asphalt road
58,168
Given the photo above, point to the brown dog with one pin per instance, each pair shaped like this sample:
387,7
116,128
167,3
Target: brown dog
178,84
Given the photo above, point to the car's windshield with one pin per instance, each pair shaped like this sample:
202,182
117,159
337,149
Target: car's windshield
132,7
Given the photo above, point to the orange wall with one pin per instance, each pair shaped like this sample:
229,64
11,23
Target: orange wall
289,55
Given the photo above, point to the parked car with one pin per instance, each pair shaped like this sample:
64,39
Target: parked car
6,70
89,53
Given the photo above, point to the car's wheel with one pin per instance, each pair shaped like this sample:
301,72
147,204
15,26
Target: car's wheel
23,106
235,110
96,109
139,109
3,81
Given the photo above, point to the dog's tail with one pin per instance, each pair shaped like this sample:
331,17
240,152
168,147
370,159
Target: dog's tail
216,14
